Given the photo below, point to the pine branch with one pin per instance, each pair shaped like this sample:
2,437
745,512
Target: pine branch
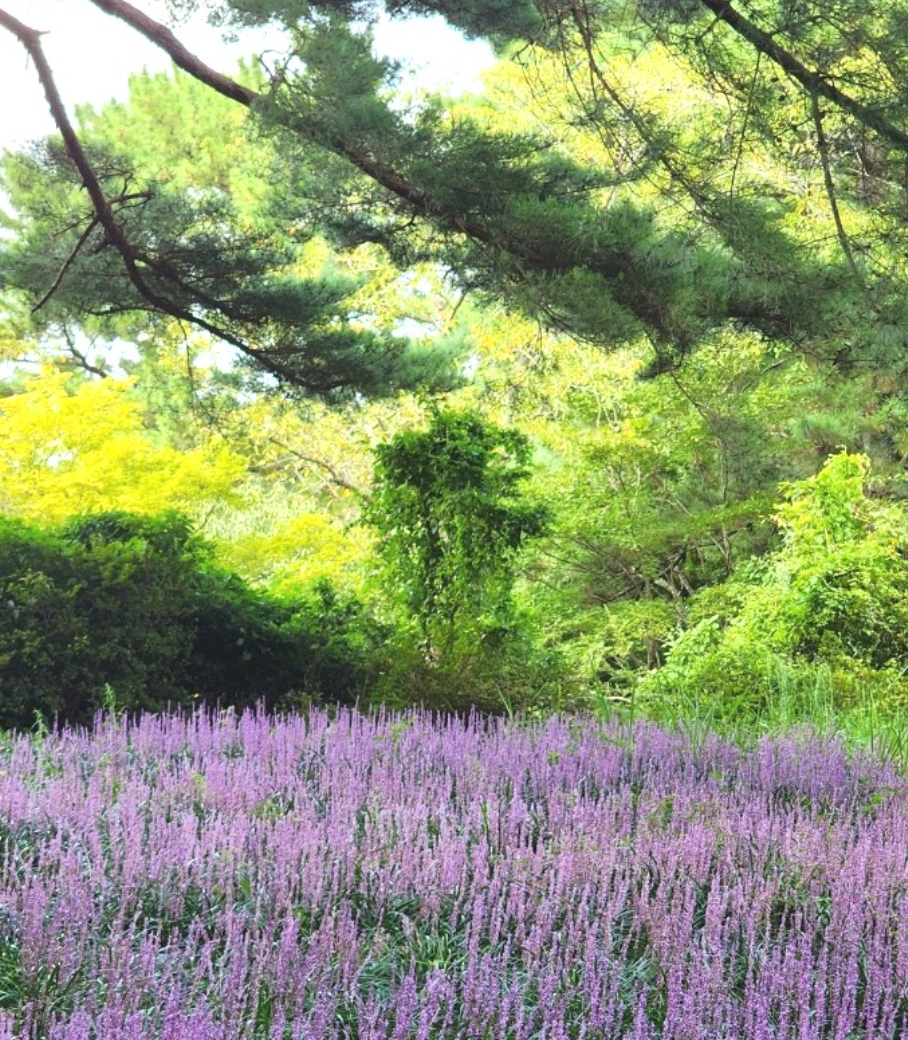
418,200
79,357
67,263
816,83
134,259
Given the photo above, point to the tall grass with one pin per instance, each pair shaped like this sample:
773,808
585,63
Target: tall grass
801,699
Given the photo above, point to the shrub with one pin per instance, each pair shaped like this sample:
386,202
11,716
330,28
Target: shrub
137,608
453,516
831,605
44,635
137,595
251,646
504,672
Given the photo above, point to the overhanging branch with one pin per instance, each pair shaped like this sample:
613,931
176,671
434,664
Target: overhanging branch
417,200
134,259
814,82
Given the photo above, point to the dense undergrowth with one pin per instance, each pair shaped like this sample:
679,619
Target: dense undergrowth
416,877
138,613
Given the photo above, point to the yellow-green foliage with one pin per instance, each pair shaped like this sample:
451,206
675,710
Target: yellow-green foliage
67,450
303,550
834,597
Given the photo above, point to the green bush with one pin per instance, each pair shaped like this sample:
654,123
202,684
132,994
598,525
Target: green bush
829,608
251,646
137,592
502,672
136,608
44,635
450,507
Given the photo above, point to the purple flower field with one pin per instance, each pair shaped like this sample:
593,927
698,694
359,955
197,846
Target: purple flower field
399,877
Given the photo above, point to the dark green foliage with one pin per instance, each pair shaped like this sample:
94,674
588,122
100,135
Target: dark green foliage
448,506
526,222
720,187
250,646
136,592
133,610
705,223
101,602
500,20
204,257
43,635
517,216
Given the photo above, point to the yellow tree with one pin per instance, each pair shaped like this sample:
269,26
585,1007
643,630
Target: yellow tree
68,451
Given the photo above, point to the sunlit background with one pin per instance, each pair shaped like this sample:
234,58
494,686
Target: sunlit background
93,56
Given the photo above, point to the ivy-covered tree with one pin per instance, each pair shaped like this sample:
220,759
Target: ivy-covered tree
451,518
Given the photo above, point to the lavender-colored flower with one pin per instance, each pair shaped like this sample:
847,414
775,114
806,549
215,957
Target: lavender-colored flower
410,877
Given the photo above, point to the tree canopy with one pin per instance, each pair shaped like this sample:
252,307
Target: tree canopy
762,167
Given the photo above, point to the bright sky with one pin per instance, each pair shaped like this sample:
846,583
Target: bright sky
93,55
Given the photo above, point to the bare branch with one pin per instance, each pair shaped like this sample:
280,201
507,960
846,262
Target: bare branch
160,35
31,41
334,475
823,149
67,263
79,357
